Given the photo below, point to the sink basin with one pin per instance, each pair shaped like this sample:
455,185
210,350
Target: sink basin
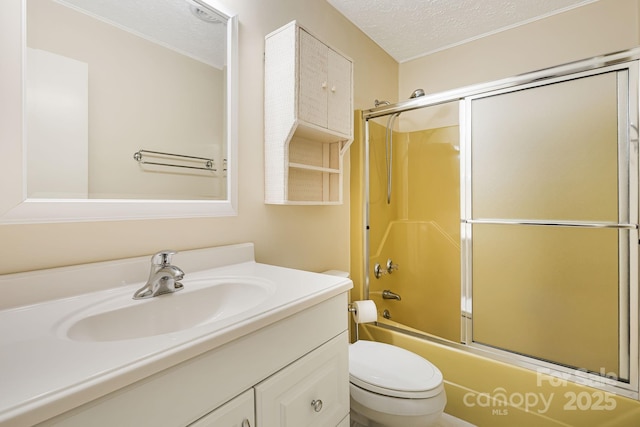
201,302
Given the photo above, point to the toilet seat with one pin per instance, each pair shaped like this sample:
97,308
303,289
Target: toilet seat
392,371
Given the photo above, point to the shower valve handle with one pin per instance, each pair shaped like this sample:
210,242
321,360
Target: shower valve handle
379,271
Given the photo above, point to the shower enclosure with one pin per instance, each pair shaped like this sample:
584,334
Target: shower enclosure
502,219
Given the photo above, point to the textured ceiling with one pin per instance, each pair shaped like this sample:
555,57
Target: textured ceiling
170,23
407,29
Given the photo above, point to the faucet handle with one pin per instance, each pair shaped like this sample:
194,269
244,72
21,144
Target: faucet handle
391,267
163,258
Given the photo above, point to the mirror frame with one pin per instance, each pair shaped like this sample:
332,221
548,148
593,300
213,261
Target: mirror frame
16,208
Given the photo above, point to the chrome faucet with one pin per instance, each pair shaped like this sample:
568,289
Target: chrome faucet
164,278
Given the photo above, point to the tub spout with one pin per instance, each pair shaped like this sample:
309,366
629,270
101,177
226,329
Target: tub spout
387,294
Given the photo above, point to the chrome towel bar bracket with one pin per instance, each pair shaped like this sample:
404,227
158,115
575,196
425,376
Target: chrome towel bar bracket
139,157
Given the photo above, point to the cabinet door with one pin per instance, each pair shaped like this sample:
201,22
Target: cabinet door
339,108
345,422
314,391
238,412
312,98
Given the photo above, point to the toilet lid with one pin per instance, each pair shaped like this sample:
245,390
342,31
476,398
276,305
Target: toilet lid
392,371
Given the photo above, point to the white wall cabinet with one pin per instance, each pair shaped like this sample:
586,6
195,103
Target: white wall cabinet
325,86
308,118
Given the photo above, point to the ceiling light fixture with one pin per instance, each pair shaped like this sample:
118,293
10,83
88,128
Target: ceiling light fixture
203,13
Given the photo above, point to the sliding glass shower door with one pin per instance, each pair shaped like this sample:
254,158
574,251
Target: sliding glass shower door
549,218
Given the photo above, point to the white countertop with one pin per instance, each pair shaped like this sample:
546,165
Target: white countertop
44,373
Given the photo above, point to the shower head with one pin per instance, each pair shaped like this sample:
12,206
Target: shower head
416,93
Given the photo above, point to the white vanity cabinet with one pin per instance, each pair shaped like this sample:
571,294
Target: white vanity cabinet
314,391
282,367
308,118
239,412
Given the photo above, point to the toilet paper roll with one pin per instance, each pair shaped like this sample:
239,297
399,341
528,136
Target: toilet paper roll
365,311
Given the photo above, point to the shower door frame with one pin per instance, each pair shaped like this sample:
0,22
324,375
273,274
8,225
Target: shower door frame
627,223
629,196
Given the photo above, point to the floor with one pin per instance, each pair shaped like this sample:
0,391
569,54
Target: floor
445,420
450,421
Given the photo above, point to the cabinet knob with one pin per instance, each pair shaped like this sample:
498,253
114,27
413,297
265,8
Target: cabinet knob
245,423
324,85
317,405
333,88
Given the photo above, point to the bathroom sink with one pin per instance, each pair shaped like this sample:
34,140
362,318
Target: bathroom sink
201,302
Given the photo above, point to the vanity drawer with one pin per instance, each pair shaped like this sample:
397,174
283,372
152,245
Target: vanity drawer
313,391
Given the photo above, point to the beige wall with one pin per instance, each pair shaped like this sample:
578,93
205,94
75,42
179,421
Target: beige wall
601,27
307,237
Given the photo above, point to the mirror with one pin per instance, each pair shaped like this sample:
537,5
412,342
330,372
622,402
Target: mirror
129,110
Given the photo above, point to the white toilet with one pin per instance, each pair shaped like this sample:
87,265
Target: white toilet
393,387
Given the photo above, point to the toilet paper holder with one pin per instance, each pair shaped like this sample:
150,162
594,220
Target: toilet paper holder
368,313
353,310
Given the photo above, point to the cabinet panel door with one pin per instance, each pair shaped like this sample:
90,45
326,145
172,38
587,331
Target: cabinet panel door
314,391
312,99
339,108
235,413
345,422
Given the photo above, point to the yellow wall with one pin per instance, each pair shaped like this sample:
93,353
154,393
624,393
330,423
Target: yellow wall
420,229
601,27
307,237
